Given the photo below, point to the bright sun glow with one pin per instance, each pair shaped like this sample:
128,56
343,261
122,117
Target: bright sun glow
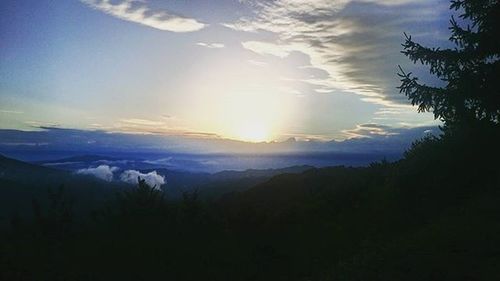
255,116
254,132
238,101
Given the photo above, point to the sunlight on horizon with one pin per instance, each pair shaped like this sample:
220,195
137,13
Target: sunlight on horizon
239,101
253,132
252,116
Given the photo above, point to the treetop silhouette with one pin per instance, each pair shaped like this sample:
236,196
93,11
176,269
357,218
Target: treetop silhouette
470,71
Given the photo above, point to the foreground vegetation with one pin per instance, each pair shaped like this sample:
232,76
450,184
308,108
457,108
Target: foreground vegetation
432,216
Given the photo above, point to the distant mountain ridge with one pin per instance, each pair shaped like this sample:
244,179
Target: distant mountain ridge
388,140
21,181
80,158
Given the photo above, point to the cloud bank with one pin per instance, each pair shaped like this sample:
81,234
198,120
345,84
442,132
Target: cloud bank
153,179
103,172
357,43
100,142
139,12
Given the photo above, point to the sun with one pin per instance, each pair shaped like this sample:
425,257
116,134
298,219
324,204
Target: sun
253,131
252,116
239,101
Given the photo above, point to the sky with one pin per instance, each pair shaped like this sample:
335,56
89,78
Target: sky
248,70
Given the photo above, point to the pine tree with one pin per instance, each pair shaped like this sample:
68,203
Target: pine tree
470,70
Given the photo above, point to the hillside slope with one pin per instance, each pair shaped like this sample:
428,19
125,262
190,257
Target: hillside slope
21,182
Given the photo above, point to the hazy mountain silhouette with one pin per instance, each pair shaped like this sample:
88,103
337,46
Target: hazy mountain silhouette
80,158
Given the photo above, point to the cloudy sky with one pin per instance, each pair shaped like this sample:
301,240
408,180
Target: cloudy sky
252,70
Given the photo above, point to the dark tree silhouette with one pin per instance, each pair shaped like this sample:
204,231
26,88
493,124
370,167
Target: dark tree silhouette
57,221
142,200
470,71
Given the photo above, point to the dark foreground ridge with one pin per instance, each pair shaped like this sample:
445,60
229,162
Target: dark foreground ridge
432,216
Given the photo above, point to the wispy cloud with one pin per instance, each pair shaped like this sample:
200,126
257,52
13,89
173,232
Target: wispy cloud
357,43
141,122
167,125
257,63
10,111
139,12
211,45
369,130
41,124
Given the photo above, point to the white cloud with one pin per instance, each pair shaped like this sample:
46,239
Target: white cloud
139,12
153,179
211,45
103,172
265,48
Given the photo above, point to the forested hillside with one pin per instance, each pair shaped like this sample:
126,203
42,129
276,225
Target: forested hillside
431,216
